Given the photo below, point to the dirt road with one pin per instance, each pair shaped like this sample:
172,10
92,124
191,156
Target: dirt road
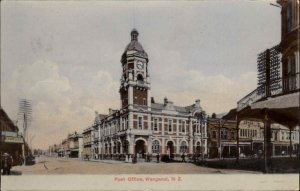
50,165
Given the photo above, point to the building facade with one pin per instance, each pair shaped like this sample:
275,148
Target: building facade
143,126
222,139
281,106
11,141
289,45
71,147
87,143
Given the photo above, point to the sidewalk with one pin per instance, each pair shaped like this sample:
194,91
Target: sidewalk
120,162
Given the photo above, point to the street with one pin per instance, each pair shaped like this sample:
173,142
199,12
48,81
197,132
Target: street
54,166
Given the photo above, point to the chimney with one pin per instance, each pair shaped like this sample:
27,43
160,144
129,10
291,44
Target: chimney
152,100
165,101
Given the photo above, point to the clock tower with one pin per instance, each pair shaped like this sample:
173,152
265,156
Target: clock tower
135,80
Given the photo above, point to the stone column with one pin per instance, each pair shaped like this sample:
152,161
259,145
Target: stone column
112,147
177,127
149,123
150,144
191,137
131,145
205,146
191,145
163,146
163,126
190,128
177,146
130,120
121,148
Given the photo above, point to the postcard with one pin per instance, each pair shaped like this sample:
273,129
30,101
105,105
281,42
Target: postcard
150,95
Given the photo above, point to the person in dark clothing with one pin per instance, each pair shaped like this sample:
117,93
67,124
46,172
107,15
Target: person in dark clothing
183,157
6,163
148,157
157,157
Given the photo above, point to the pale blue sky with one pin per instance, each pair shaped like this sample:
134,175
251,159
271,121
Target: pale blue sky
65,56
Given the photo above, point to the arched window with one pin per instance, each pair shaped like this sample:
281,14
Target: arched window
140,78
155,146
183,147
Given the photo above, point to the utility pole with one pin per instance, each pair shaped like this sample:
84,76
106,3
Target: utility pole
25,114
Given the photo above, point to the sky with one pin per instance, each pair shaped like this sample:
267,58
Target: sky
64,56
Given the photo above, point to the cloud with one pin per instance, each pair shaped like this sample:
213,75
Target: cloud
60,108
173,78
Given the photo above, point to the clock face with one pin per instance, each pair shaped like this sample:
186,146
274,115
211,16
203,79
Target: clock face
140,65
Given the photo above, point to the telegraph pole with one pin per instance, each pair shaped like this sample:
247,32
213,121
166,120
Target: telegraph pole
25,114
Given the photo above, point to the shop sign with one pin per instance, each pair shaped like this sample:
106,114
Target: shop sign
13,140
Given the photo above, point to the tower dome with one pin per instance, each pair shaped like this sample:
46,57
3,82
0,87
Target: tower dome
135,46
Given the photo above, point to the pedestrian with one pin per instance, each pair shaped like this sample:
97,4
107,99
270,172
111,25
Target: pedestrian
148,157
183,157
6,163
157,157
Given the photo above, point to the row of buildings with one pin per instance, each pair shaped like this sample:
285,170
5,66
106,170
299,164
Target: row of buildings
143,126
221,140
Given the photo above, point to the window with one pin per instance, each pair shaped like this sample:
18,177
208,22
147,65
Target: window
140,78
122,123
214,134
198,125
232,136
155,146
155,125
170,125
140,125
282,137
183,147
144,101
224,134
183,127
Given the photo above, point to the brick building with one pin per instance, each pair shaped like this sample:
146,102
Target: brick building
142,125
